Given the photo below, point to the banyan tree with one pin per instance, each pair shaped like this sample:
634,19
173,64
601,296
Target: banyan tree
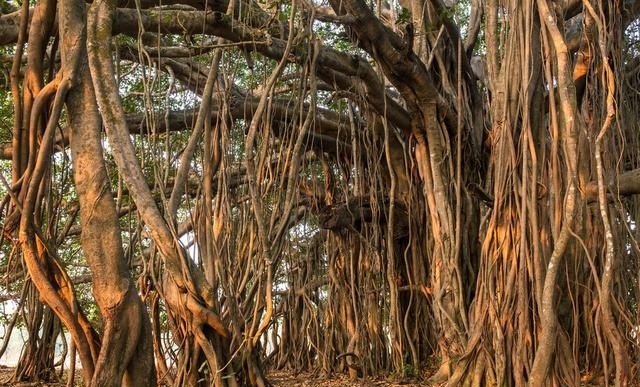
199,192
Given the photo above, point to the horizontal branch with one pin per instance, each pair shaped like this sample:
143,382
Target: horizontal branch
352,214
308,287
625,184
328,133
343,71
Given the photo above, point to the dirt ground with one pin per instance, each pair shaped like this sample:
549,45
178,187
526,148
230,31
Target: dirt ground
279,379
287,379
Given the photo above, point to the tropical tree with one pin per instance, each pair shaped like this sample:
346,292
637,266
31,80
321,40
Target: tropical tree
199,192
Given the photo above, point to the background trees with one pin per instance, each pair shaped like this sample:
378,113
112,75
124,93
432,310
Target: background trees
351,186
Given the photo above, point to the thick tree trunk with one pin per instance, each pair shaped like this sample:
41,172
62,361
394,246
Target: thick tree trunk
126,345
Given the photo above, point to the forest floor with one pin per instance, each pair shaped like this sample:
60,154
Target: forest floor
288,379
279,379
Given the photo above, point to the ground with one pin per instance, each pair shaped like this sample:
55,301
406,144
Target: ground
279,379
288,379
